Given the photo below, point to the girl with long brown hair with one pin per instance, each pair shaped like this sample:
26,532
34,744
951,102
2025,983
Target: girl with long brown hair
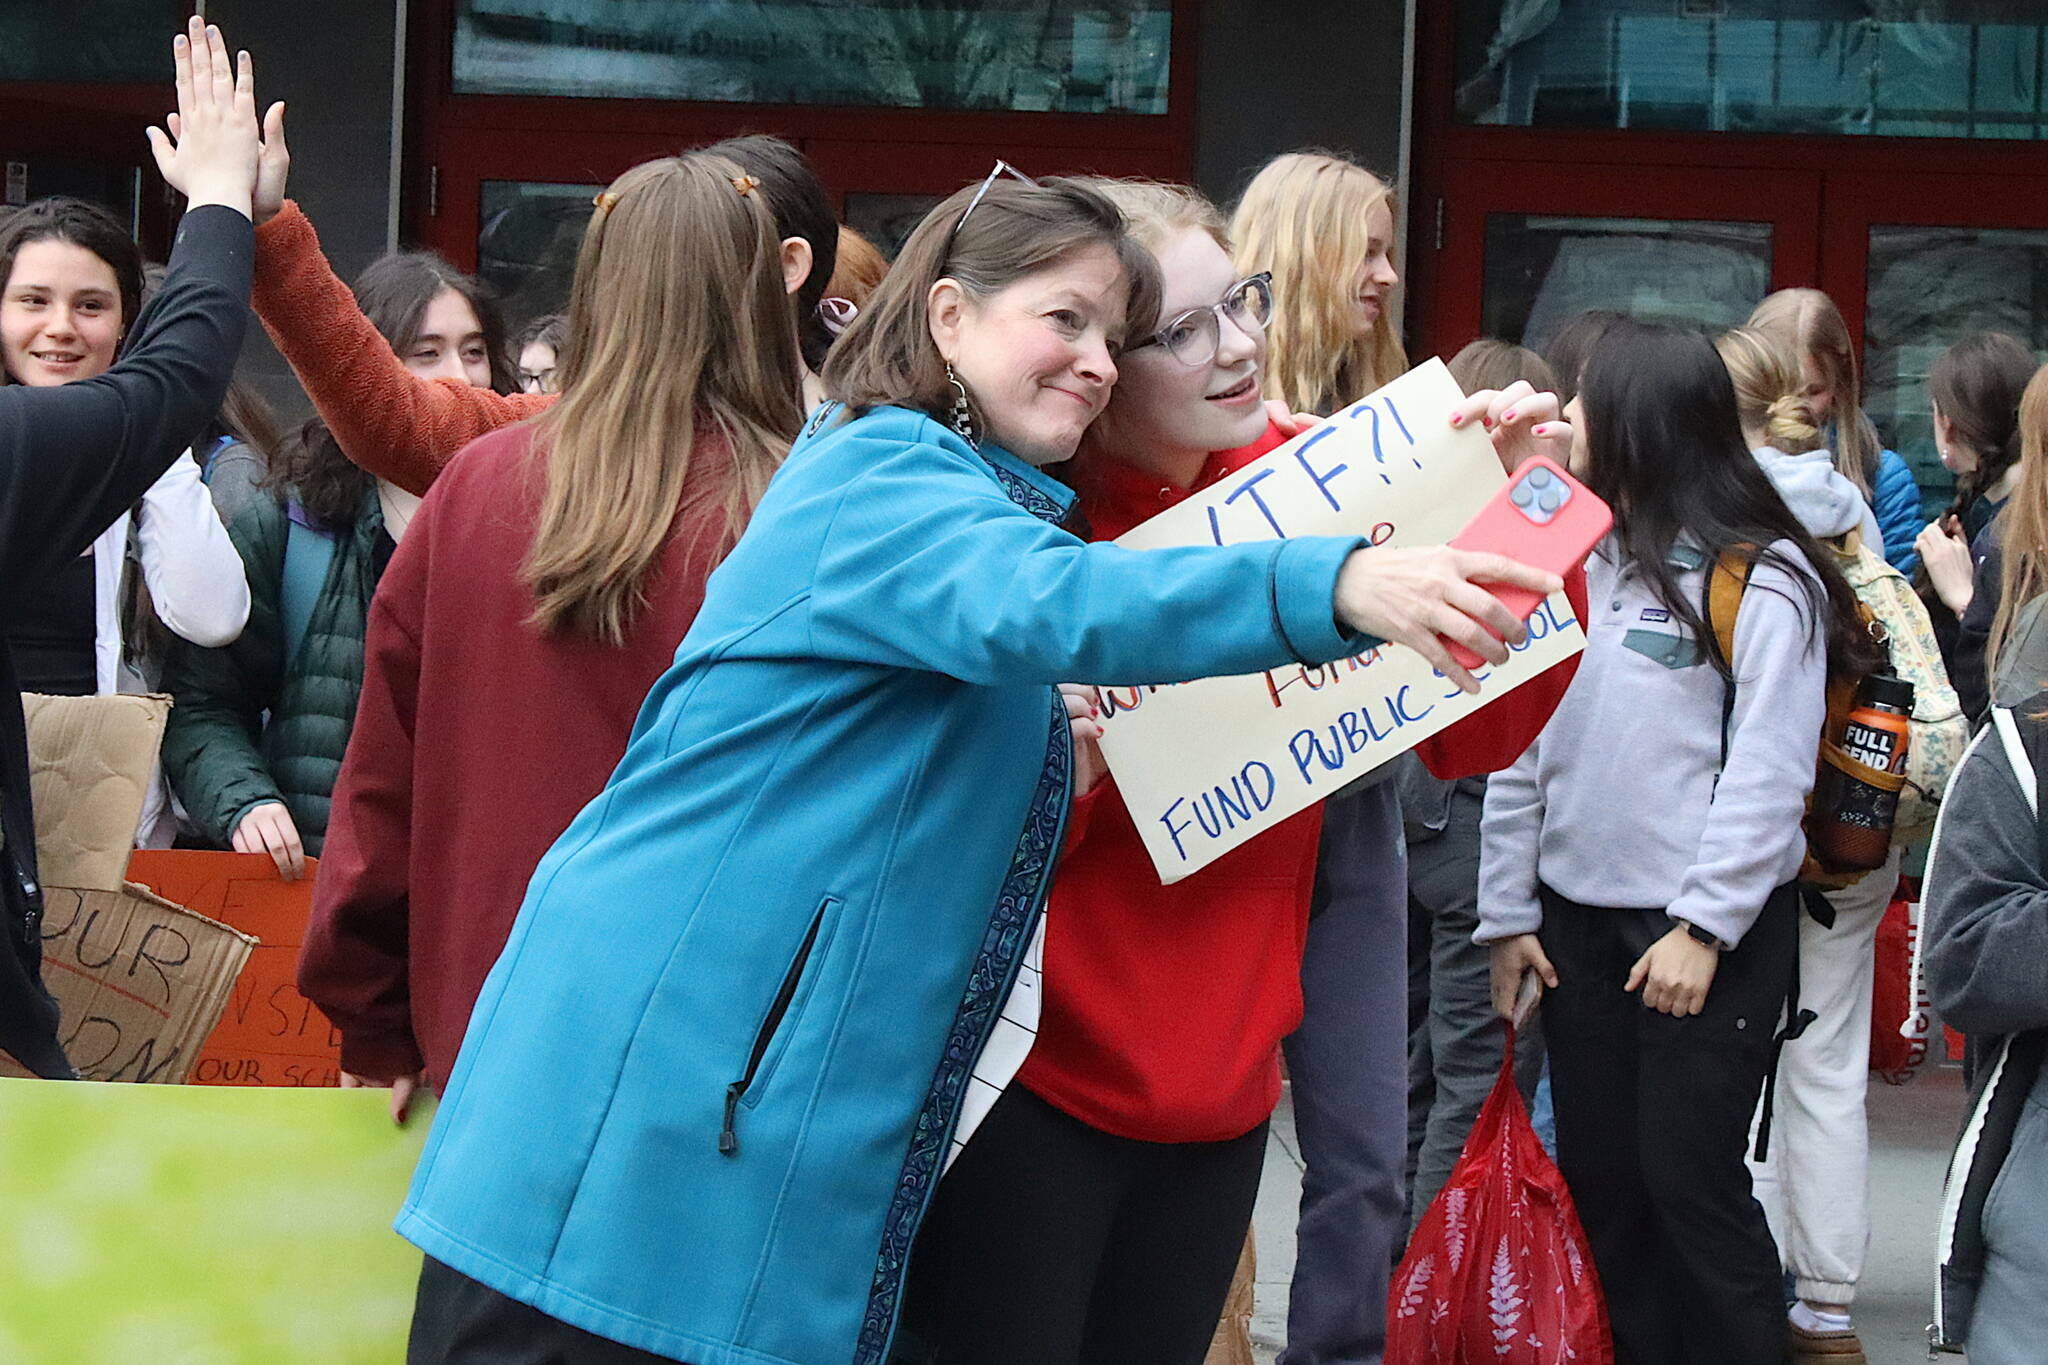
2001,645
541,589
1974,389
261,723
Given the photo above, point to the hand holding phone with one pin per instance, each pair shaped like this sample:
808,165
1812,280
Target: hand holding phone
1527,997
1544,518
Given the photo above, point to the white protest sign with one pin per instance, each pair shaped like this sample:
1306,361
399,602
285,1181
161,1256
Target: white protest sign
1204,766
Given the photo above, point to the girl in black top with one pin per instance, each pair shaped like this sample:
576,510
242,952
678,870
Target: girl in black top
72,457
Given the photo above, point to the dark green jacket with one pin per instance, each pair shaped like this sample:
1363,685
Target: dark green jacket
219,753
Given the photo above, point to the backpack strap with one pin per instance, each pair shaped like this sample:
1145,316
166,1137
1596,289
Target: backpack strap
1727,581
308,556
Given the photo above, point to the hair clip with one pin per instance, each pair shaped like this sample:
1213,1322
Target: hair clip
745,184
606,201
837,314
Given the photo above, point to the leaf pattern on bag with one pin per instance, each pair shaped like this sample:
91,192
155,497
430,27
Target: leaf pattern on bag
1504,1299
1454,1227
1418,1282
1575,1262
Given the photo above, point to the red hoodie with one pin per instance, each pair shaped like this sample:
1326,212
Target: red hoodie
1164,1006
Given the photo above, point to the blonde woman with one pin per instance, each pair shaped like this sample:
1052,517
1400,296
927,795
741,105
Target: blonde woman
1783,433
539,592
1324,227
1806,323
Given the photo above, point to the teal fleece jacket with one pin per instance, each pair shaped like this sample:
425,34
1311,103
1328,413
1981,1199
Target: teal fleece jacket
708,1088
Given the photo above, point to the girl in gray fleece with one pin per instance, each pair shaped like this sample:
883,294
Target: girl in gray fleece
1638,860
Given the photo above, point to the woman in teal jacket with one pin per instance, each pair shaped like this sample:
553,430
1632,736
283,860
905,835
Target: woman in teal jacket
707,1090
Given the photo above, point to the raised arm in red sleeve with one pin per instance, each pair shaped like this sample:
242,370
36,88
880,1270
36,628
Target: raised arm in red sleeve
387,419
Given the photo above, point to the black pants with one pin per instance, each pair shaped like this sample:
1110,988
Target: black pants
1053,1243
1653,1118
456,1321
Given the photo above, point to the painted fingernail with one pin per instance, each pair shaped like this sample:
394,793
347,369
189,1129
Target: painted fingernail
1543,430
1508,416
1457,419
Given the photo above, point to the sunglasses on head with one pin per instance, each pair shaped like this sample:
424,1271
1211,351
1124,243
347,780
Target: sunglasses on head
1001,168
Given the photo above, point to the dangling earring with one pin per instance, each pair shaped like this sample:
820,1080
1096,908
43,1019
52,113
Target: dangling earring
963,416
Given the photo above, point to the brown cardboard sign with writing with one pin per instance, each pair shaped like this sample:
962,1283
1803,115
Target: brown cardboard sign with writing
90,766
269,1034
140,982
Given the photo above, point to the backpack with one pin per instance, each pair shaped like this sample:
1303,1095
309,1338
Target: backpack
1892,613
1940,730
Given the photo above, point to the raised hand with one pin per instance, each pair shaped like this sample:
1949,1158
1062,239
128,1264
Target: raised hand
273,166
210,153
1521,421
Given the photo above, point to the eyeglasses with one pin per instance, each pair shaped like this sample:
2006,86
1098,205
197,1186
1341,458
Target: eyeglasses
1001,168
1192,337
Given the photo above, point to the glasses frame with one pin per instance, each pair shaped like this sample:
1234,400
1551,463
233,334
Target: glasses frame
1263,278
1001,168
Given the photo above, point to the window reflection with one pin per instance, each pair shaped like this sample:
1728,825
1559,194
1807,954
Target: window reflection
1929,288
527,246
1964,68
1544,269
1109,56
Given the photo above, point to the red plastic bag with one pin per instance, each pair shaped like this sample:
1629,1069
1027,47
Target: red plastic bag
1498,1270
1899,1022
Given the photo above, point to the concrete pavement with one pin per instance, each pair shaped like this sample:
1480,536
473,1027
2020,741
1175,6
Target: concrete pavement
1911,1128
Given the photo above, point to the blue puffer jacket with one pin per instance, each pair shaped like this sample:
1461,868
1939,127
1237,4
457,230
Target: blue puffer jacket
1895,498
706,1091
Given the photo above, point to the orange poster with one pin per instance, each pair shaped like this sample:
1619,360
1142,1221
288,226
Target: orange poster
269,1034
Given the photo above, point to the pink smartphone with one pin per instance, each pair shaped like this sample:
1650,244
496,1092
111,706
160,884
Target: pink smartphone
1544,518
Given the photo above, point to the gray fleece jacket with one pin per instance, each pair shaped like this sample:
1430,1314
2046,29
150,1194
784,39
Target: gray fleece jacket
1820,495
1617,803
1986,955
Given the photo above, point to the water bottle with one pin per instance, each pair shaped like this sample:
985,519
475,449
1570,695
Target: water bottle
1851,829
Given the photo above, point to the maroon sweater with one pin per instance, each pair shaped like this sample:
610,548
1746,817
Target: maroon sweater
477,740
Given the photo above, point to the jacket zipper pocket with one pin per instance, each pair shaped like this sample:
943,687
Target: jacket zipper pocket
728,1137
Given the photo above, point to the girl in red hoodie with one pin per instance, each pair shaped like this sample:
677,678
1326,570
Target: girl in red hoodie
1098,1211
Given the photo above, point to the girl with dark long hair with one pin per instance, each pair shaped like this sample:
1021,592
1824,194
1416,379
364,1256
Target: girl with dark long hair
164,570
256,738
1666,965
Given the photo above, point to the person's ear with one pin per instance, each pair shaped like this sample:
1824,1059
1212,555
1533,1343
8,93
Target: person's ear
1944,430
796,263
945,311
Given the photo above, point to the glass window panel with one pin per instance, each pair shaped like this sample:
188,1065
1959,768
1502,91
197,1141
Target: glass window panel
90,40
1954,68
1543,269
527,246
887,219
1929,288
1068,56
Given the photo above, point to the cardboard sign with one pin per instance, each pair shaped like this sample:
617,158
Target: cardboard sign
269,1034
204,1225
140,981
91,760
1204,766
